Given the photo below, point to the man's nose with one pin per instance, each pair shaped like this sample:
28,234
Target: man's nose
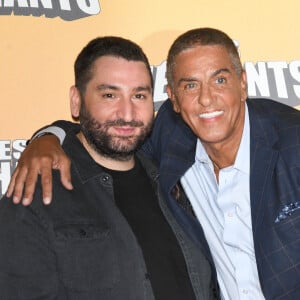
126,109
205,96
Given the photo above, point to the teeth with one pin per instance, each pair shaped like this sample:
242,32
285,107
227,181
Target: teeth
211,114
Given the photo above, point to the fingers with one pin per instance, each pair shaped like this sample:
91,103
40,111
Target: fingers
25,183
15,189
39,158
29,187
46,181
24,178
11,185
65,174
44,166
20,180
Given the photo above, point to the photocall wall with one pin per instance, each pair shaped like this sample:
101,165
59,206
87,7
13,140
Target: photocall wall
40,40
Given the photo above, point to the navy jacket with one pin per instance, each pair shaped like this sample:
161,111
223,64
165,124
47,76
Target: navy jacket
274,187
81,246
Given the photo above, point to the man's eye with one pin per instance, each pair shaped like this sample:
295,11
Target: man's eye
108,95
220,80
191,86
140,96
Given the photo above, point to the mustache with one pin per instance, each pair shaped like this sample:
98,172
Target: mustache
121,122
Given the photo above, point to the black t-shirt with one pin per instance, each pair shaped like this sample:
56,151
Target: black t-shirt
136,198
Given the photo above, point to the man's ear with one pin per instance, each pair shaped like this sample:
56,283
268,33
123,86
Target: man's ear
173,98
75,101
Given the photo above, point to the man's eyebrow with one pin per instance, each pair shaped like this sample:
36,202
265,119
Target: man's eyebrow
102,87
215,73
107,87
219,71
146,88
186,79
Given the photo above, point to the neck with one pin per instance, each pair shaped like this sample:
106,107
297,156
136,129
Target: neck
106,161
221,160
222,156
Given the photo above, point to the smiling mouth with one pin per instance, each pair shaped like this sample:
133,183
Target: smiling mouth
125,130
211,114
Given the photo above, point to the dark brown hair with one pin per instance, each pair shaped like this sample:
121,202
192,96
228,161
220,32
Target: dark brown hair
203,37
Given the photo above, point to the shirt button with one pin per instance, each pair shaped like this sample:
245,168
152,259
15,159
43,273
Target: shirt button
230,215
245,291
82,232
105,178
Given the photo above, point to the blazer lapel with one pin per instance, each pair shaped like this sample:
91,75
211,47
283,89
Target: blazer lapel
179,154
263,158
178,158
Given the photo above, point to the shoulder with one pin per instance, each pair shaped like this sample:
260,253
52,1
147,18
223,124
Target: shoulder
166,116
271,108
167,121
280,115
278,124
164,125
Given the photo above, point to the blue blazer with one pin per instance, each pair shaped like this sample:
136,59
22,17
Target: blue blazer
274,188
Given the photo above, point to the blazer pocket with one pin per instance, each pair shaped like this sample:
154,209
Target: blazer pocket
87,256
289,212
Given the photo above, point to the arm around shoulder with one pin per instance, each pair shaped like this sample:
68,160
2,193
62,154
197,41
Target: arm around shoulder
41,155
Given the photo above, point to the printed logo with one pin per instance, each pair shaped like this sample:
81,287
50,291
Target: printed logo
10,152
277,80
68,10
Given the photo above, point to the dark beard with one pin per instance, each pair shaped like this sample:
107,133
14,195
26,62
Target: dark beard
118,148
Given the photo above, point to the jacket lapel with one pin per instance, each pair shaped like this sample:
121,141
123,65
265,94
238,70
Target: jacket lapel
178,158
263,158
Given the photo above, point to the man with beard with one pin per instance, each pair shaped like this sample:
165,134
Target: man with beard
229,168
112,236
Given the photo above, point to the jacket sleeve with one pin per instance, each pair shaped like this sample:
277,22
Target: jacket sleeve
27,261
60,128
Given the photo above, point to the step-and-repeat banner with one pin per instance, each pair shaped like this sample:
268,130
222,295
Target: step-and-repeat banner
40,40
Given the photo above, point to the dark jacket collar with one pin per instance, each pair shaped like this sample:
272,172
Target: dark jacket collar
85,165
